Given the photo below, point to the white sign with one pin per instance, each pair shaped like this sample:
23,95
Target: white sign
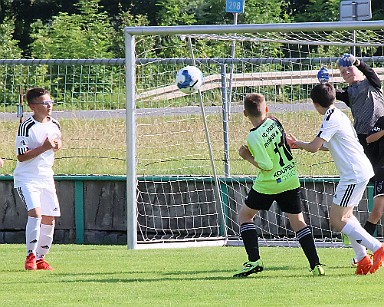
355,10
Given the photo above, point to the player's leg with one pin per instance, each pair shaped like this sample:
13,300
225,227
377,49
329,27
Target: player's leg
30,196
254,202
290,203
378,207
347,196
50,209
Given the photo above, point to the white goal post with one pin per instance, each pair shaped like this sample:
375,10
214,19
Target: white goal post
185,182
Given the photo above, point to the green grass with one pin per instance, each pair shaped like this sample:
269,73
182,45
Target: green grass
88,275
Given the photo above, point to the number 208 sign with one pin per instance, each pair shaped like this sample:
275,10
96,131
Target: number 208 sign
234,6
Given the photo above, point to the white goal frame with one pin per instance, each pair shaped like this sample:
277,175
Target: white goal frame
130,62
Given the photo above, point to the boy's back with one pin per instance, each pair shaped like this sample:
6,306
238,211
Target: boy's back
345,149
269,148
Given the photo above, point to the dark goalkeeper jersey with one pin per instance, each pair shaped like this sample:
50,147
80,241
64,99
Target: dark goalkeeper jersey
375,150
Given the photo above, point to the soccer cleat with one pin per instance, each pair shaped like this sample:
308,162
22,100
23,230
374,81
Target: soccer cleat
41,264
354,263
364,266
30,262
250,267
318,270
378,259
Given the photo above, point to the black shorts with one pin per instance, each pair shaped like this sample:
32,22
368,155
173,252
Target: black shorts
288,201
378,188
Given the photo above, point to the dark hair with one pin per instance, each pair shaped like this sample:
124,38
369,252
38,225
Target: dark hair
324,94
34,93
252,104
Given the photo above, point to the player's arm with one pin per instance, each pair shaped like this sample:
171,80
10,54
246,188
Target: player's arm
375,136
33,153
246,155
314,146
369,73
1,162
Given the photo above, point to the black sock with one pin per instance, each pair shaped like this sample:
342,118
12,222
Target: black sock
308,245
370,227
251,243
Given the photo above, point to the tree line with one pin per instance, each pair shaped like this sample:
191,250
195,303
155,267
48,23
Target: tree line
94,28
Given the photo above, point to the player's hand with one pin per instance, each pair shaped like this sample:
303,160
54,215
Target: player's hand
291,140
58,144
49,144
244,152
323,75
347,60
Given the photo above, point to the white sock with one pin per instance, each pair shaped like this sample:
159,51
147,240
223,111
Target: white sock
357,233
45,240
32,233
360,250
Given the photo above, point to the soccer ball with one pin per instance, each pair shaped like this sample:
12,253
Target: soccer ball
189,79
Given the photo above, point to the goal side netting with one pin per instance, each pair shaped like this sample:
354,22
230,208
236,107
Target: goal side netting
185,179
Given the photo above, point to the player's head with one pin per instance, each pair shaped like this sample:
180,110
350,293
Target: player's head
323,94
39,100
351,74
255,105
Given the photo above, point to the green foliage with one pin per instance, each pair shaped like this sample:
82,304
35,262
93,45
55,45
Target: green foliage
87,34
319,10
8,45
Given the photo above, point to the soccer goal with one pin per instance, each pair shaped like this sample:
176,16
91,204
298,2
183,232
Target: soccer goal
185,180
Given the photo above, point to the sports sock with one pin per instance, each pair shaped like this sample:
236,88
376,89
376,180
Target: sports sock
308,245
32,233
45,240
251,243
370,227
356,232
360,250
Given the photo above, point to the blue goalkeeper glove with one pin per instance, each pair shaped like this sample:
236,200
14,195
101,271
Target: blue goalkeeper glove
323,75
347,60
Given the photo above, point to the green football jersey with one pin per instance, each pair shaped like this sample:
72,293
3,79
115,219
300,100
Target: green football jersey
269,148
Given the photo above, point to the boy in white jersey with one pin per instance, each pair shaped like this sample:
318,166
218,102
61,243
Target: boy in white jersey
277,180
38,137
366,100
339,137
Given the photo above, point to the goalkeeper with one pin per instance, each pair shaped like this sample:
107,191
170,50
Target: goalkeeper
268,150
366,100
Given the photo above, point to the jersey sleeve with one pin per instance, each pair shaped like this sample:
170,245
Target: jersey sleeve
259,154
379,126
329,126
21,144
370,74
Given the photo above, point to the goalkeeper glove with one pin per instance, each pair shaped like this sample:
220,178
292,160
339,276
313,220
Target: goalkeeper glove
323,75
347,60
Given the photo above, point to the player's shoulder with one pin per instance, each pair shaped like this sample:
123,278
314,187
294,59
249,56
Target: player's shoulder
25,126
55,121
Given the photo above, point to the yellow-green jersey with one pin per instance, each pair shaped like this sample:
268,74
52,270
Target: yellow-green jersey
269,148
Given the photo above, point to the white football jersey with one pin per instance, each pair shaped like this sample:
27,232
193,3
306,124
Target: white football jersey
342,142
32,134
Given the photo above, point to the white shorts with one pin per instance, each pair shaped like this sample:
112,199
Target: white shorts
349,195
43,196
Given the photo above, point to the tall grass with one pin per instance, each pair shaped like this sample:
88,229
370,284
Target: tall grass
98,146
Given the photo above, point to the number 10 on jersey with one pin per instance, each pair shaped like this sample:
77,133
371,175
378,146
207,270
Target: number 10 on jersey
233,6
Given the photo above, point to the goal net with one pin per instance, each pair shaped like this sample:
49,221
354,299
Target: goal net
185,179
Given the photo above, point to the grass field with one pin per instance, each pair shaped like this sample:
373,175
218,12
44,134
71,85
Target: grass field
88,275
